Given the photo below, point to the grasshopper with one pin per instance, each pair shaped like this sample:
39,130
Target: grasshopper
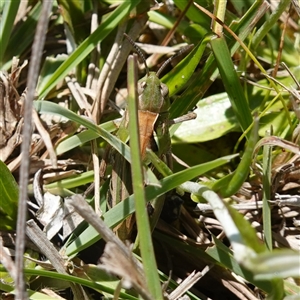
153,104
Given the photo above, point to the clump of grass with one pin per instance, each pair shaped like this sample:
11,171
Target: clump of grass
229,204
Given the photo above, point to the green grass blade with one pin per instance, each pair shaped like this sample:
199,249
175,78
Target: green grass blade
22,37
68,183
269,23
88,283
83,137
46,107
180,74
231,183
142,219
231,82
266,210
166,20
6,25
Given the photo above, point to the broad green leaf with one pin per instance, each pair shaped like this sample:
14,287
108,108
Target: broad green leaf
100,276
39,296
291,289
9,192
215,118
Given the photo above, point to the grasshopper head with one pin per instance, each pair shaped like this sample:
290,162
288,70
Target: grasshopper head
152,93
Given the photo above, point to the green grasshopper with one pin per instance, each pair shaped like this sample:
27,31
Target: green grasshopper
153,104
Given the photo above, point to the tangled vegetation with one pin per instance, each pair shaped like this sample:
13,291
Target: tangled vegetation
202,201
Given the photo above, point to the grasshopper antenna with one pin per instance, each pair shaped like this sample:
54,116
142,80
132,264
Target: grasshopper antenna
138,50
181,51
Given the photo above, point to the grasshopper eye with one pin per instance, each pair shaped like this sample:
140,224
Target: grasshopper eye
164,90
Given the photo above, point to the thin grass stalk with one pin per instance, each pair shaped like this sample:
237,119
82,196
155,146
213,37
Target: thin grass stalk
219,12
36,56
143,225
